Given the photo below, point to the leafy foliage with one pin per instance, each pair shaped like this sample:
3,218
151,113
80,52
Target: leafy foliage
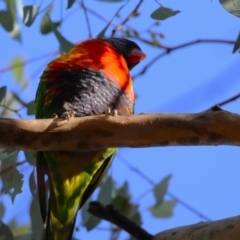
163,13
232,7
29,14
17,66
12,179
11,18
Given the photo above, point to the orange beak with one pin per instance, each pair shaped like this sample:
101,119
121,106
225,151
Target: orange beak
136,56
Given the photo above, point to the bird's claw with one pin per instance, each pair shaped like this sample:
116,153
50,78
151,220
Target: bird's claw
55,115
115,112
110,112
68,114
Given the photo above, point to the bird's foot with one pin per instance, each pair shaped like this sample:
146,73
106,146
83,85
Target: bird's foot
115,112
68,114
110,112
55,115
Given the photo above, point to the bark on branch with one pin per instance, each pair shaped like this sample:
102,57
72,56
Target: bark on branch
225,229
98,132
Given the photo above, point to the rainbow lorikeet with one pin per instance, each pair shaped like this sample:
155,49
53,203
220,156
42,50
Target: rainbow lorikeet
89,80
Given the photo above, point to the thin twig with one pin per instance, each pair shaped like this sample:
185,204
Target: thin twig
13,110
150,181
31,60
96,14
129,17
224,102
7,169
87,19
171,49
110,214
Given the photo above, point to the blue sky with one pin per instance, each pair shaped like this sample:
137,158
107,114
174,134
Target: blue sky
188,80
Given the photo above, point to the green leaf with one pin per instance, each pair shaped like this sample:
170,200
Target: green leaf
163,210
65,45
32,184
45,26
163,13
7,20
17,67
134,214
22,232
5,232
236,45
231,6
122,202
102,33
29,14
2,211
31,108
70,3
160,190
107,190
36,220
88,220
15,32
9,151
30,158
7,158
12,179
3,91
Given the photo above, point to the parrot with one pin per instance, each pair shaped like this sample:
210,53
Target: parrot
92,78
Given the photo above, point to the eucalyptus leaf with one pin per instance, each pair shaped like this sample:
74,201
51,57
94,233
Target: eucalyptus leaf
231,6
2,211
122,202
45,26
88,220
102,33
5,232
160,190
7,20
36,220
15,31
17,67
3,91
65,45
163,210
237,44
29,14
163,13
32,184
70,3
9,151
22,232
31,108
106,191
30,158
12,179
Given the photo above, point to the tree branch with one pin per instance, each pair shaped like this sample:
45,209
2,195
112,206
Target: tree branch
103,131
110,214
228,228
